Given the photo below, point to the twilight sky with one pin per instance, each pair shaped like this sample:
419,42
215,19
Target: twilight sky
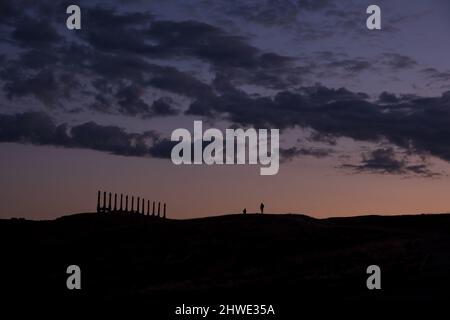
364,115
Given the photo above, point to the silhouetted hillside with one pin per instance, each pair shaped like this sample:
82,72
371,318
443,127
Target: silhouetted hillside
270,256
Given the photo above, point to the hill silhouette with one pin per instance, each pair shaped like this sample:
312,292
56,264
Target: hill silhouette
272,256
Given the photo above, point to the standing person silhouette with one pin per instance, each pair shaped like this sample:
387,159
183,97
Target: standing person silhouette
244,211
262,207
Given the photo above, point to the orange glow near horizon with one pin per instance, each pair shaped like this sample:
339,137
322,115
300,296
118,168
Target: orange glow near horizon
47,182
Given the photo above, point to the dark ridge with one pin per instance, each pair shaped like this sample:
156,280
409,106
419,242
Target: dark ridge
272,255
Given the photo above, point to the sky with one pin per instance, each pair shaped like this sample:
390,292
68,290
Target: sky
364,115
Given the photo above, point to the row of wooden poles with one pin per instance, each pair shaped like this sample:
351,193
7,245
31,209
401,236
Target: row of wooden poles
103,207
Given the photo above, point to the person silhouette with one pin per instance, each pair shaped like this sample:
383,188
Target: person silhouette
244,211
262,207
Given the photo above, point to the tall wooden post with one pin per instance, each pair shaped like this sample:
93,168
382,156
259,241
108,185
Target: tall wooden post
104,201
148,207
121,198
159,209
164,211
115,202
138,202
126,204
98,202
132,204
109,203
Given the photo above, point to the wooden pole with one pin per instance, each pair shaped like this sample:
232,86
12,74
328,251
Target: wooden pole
98,202
138,202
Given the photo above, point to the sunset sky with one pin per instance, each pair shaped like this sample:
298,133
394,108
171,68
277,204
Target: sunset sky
364,115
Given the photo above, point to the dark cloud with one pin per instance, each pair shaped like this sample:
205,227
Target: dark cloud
136,33
108,138
8,11
319,95
110,31
130,100
421,125
101,103
38,128
35,33
172,80
112,55
331,63
437,75
36,59
394,99
116,60
381,161
228,54
386,161
269,12
386,97
162,148
163,107
42,85
32,127
398,61
191,38
418,125
355,65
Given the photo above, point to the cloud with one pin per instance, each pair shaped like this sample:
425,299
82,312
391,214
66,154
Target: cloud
394,100
163,107
355,65
35,33
108,138
398,61
381,161
343,65
7,11
31,127
162,148
418,125
42,85
268,13
107,30
131,102
38,128
437,76
385,161
421,125
116,47
136,64
386,97
172,80
139,33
